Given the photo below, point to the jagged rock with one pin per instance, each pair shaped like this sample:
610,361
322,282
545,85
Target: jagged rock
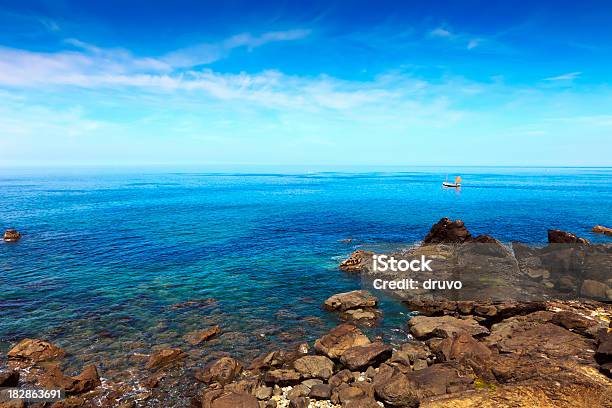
562,237
196,337
594,289
604,345
299,390
299,402
600,229
372,354
314,367
447,231
13,404
341,377
164,358
357,261
222,371
350,300
462,345
84,382
9,378
263,392
575,322
410,355
340,339
282,377
444,326
35,350
11,235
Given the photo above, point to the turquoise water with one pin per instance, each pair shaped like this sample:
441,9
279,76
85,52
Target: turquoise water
105,254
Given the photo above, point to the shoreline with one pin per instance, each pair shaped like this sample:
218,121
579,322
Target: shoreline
464,344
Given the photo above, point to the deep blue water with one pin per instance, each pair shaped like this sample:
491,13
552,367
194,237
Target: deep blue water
104,255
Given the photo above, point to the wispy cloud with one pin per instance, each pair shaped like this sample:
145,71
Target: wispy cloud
440,32
459,39
565,77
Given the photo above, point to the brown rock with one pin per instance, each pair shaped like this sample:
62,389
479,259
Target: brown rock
164,358
444,326
350,300
13,404
199,336
340,339
341,377
222,371
35,350
604,344
372,354
357,261
460,346
320,391
575,322
11,235
562,237
365,402
594,289
314,367
600,229
299,402
233,400
447,231
9,378
84,382
282,377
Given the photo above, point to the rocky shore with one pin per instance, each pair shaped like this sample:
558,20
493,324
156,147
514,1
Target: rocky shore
546,352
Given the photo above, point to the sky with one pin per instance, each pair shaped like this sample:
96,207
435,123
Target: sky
120,83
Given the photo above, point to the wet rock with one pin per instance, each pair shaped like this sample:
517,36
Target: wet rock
9,378
562,237
600,229
196,337
320,391
35,350
195,304
314,367
357,261
340,339
594,289
351,300
282,377
222,371
11,235
444,326
447,231
84,382
164,358
372,354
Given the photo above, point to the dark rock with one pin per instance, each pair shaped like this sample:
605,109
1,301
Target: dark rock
447,231
35,350
164,358
320,391
299,402
372,354
350,300
11,235
9,378
340,339
562,237
604,345
84,382
222,371
341,377
196,337
357,261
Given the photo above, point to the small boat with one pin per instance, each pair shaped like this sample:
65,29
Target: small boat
456,184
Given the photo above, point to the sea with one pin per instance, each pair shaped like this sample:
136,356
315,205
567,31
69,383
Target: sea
115,263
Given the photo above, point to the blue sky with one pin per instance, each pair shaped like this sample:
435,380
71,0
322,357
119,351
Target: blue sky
317,83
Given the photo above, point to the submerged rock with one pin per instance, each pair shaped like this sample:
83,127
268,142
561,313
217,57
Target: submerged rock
164,358
563,237
447,231
11,235
35,350
84,382
199,336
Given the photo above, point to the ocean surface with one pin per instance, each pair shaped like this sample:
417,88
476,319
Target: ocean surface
109,258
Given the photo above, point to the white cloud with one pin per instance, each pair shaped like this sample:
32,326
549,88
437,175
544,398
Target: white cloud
473,43
565,77
440,32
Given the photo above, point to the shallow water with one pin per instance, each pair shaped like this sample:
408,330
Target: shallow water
105,255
